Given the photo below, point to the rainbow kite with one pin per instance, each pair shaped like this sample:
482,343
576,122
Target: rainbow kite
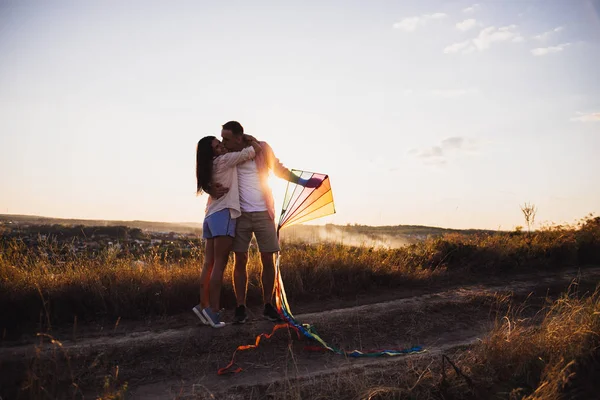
303,204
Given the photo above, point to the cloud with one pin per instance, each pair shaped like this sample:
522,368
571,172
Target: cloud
471,9
587,117
490,35
455,142
459,47
462,143
433,151
484,40
542,51
438,154
411,24
466,24
545,35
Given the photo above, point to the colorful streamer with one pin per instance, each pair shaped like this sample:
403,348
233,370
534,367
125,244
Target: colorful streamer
303,204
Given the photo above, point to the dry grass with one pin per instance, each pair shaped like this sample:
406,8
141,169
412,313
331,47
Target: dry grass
38,292
50,375
47,286
555,355
551,359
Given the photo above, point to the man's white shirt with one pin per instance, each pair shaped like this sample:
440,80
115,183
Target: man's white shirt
251,195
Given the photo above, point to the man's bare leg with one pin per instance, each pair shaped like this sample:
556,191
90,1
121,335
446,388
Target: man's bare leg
268,284
268,276
240,278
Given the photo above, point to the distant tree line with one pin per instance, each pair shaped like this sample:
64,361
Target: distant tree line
84,232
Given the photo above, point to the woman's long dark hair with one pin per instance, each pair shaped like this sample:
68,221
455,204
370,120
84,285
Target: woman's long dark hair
204,164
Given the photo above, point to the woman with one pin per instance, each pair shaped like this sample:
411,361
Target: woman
215,165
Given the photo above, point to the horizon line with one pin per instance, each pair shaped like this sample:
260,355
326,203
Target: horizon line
3,215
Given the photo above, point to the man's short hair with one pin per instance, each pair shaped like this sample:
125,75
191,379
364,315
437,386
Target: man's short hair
235,127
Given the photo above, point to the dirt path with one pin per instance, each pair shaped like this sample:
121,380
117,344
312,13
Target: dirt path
182,362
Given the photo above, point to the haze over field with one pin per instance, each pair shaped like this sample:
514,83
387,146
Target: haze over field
423,113
351,235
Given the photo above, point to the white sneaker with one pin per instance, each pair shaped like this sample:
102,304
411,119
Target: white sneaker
213,318
198,311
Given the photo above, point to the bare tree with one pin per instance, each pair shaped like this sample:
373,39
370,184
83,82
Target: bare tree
529,210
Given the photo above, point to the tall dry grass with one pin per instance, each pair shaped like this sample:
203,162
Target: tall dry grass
553,355
553,359
47,286
51,375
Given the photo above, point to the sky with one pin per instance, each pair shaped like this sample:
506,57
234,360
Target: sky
444,113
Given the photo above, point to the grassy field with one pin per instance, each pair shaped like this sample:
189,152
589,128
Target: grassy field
39,290
547,356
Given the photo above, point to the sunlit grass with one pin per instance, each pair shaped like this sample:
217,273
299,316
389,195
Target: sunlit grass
555,358
51,285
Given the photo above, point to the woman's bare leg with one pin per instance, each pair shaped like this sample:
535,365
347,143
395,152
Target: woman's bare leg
207,268
222,247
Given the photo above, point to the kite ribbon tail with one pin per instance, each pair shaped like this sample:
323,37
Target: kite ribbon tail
278,300
282,304
226,369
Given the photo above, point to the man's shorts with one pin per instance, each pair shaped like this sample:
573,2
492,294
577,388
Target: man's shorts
263,227
219,223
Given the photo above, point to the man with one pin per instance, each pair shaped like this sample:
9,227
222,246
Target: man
258,218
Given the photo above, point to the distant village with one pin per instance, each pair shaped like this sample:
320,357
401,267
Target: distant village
80,239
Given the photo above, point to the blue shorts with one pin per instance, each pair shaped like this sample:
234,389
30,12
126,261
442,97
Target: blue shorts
218,224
